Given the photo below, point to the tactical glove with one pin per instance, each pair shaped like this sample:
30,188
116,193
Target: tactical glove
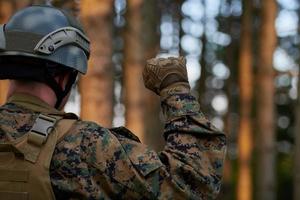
166,75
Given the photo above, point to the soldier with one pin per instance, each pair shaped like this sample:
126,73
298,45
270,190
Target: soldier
46,153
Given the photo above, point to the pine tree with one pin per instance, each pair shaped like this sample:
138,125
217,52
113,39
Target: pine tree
265,103
96,87
150,41
297,148
133,67
244,190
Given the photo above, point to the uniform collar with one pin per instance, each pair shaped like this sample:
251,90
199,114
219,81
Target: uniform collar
33,103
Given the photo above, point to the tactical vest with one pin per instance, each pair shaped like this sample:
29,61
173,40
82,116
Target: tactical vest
24,163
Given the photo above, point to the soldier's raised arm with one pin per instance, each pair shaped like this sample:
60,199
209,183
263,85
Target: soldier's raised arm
190,165
194,154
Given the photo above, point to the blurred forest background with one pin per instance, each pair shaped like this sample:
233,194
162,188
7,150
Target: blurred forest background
243,64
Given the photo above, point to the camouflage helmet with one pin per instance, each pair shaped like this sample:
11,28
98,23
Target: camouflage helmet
45,33
40,41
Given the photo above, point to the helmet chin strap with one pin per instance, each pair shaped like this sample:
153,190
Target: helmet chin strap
59,92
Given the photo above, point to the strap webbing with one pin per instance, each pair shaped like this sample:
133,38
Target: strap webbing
14,175
14,195
37,137
63,127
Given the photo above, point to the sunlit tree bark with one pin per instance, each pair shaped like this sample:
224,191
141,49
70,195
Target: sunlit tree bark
244,190
72,6
19,4
7,8
265,103
96,88
23,3
133,67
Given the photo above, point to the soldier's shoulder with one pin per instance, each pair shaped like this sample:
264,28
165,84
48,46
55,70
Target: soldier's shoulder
121,132
88,125
15,121
92,127
88,128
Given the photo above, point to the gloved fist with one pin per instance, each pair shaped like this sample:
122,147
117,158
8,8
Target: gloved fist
165,74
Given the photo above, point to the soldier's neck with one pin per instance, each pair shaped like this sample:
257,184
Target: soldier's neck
39,90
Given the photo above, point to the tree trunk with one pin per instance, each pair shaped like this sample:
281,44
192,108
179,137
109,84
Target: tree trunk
244,190
24,3
201,86
96,87
133,67
203,75
72,6
297,148
265,103
230,125
7,8
150,38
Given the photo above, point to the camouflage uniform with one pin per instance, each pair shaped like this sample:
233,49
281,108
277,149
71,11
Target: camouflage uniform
93,162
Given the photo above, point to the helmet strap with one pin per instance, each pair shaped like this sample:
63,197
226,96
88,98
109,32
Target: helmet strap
59,92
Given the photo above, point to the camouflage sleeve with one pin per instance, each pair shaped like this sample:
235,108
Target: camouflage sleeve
189,167
96,163
195,149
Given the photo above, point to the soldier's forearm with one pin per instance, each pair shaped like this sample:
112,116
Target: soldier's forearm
194,142
182,113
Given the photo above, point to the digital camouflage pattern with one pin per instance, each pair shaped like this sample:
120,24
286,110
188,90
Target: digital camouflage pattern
93,162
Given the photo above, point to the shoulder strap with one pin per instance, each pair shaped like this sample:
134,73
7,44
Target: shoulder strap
63,127
43,126
65,124
38,135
